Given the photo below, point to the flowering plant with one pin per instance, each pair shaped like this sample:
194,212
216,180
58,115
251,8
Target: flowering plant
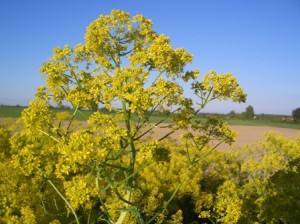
105,170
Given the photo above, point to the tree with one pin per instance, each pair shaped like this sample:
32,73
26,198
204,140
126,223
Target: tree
249,112
296,114
97,172
232,114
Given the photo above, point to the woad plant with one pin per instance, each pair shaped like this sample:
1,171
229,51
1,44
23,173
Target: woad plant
109,169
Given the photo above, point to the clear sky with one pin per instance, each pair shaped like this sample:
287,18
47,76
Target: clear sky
258,41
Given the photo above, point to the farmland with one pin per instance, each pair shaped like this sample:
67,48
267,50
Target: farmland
262,120
249,131
246,134
15,112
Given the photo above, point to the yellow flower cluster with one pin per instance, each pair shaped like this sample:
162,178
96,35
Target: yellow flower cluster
226,186
228,203
223,87
80,190
161,56
38,115
218,86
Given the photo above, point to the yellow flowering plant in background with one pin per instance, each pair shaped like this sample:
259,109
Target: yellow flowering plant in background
107,170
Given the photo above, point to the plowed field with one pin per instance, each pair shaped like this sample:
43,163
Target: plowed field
246,134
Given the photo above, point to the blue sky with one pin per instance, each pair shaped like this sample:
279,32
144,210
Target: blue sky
258,41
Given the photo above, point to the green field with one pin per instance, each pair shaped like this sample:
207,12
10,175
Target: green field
10,111
268,120
282,124
15,112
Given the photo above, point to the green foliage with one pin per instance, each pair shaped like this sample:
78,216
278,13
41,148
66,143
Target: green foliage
283,203
296,114
249,113
232,114
10,111
257,122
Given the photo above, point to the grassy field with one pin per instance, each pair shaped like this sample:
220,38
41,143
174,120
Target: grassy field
271,123
10,111
272,120
15,112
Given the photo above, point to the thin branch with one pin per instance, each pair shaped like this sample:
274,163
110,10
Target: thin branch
72,118
66,201
45,133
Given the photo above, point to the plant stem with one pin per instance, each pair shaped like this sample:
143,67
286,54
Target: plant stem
66,201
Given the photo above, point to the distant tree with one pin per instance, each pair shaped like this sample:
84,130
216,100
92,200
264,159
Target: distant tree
262,116
296,114
249,113
232,114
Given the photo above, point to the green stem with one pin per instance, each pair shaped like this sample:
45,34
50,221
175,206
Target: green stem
124,213
147,131
166,135
45,133
71,121
132,151
102,202
66,201
115,188
205,101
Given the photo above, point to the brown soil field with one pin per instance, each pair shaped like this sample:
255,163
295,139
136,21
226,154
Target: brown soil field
246,134
251,134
